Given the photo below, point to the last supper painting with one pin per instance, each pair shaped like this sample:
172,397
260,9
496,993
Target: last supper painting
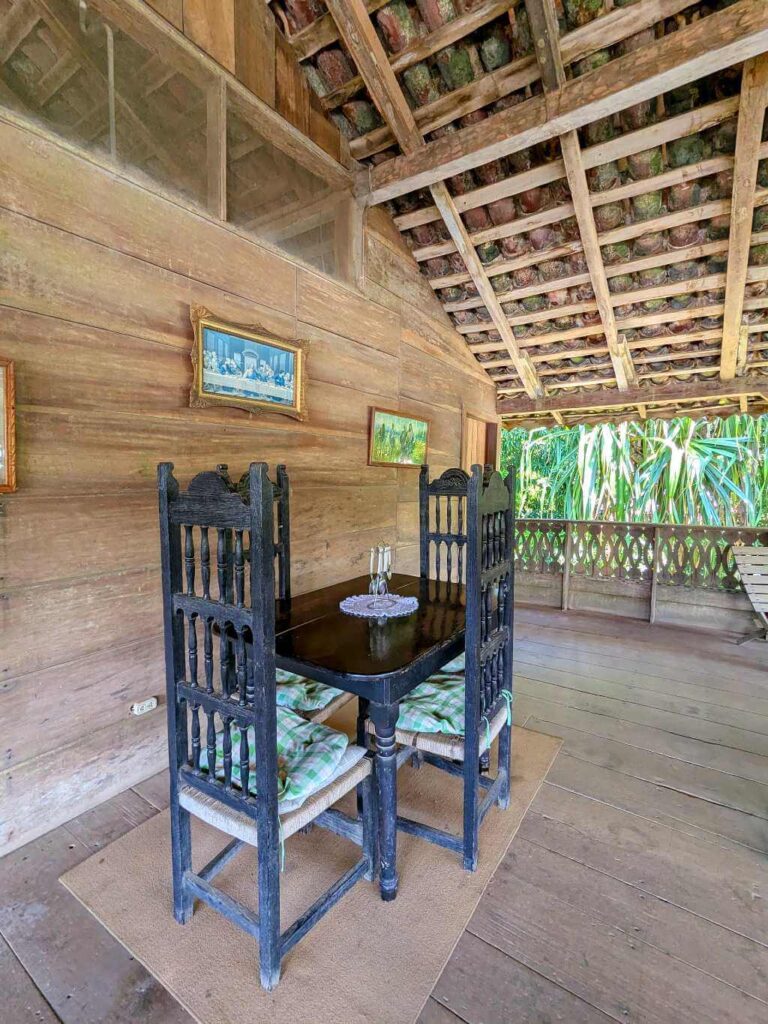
244,367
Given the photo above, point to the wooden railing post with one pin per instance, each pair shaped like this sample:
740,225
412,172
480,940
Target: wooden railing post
567,566
654,572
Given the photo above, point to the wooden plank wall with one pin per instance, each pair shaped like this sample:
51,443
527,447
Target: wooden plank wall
96,278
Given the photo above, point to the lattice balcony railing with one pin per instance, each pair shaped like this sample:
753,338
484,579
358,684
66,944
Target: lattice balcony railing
689,556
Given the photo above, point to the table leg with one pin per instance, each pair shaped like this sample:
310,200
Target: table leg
384,718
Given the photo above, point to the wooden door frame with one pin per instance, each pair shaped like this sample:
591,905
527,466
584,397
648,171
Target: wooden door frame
492,452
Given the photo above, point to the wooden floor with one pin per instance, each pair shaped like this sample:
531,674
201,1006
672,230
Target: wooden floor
635,891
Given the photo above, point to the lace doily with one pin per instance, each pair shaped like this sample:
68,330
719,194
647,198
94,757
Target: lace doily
386,606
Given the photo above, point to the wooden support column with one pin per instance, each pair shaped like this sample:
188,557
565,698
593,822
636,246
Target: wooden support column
655,572
349,227
568,554
754,97
359,36
543,19
216,148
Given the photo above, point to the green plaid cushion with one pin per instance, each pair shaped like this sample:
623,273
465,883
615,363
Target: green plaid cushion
457,665
307,756
436,705
300,694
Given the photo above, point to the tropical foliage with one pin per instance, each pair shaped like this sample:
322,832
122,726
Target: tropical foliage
707,472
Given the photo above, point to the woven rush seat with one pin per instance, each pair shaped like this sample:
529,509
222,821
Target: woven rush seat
314,701
294,815
445,744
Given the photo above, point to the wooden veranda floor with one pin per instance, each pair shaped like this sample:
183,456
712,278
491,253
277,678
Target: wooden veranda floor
635,890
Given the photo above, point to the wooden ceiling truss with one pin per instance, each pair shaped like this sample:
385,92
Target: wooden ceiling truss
585,186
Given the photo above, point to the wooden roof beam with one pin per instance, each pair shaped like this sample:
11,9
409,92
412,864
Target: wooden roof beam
543,19
754,98
363,43
648,396
688,123
703,47
460,235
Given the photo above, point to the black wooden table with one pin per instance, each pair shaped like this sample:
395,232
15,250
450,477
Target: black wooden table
378,660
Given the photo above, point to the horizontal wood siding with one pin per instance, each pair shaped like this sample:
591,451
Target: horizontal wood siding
96,278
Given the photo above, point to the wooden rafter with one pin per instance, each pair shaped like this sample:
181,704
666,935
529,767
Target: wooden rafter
521,360
616,149
754,98
544,27
360,38
423,47
356,29
322,32
607,30
703,47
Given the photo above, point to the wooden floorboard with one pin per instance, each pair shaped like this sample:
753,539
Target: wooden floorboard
725,886
483,985
693,815
604,958
22,1002
636,889
688,696
661,769
155,790
614,903
83,974
688,722
637,884
708,754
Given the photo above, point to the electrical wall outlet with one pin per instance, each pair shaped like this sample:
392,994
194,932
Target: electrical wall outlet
142,707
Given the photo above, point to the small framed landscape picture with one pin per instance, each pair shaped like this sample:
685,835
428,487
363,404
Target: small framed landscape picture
245,367
7,427
397,439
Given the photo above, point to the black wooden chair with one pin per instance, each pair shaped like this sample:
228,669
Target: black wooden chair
241,697
467,534
281,494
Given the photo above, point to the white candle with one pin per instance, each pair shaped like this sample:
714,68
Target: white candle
370,570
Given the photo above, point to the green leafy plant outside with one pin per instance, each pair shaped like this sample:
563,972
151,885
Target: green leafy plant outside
680,471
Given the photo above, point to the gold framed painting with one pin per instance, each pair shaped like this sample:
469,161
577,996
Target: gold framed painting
397,439
7,427
245,367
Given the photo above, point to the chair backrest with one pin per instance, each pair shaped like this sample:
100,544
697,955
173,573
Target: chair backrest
752,564
282,523
490,589
467,533
218,565
443,525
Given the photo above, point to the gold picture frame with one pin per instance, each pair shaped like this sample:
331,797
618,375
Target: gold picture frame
7,427
245,367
